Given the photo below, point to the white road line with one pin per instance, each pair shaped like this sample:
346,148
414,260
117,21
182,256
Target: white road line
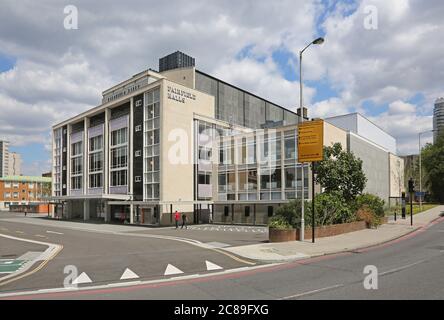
170,270
401,268
53,232
83,278
212,266
128,274
311,292
120,284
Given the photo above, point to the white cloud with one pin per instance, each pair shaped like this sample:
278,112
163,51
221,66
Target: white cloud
328,108
263,79
400,107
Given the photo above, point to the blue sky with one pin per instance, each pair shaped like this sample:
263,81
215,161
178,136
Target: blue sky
56,73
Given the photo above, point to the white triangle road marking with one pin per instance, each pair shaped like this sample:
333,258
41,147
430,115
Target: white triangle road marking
212,266
128,274
170,269
83,278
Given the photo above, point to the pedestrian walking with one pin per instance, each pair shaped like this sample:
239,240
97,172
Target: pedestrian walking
177,218
26,211
184,220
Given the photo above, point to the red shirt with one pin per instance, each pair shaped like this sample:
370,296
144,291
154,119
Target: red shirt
177,216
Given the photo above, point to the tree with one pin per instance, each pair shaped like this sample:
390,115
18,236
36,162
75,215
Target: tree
433,164
341,171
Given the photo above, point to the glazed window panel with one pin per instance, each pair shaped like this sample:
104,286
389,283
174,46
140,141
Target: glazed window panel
119,157
119,136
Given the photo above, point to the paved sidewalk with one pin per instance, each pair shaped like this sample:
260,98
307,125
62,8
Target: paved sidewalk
294,250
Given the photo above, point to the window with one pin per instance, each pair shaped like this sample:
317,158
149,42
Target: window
231,181
76,149
252,179
290,147
152,164
275,178
204,179
95,180
152,137
119,178
7,184
119,136
76,165
242,152
15,185
119,157
76,183
243,180
95,143
222,182
7,195
96,162
15,195
205,153
251,151
290,178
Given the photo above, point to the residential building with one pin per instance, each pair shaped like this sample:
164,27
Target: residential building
10,162
4,158
184,140
15,164
23,190
438,118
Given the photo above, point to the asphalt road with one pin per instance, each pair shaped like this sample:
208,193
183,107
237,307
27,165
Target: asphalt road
104,257
411,268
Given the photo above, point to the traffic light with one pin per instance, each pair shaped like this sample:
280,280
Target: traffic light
411,186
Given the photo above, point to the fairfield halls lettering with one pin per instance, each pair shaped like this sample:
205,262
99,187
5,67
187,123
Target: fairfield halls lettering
179,95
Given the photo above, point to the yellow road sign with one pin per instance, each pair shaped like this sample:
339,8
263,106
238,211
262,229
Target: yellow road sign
311,141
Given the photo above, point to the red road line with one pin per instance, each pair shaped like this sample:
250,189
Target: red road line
224,276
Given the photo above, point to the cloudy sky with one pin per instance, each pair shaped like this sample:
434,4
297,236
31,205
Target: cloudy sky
391,72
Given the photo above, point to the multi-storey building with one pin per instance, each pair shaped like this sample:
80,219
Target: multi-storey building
15,164
10,162
438,118
4,158
23,190
180,140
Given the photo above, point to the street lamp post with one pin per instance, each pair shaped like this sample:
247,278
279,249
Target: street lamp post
316,41
420,167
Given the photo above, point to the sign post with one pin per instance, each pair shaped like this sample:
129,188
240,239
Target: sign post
311,149
403,205
412,193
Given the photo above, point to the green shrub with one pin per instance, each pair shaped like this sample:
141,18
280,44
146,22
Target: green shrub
331,208
374,203
291,212
279,222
